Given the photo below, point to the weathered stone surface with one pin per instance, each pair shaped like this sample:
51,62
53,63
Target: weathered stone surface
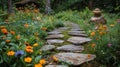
71,47
53,41
47,47
76,29
55,36
74,58
54,32
56,66
78,40
76,34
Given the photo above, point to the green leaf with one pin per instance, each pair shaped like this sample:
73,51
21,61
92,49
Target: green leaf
37,59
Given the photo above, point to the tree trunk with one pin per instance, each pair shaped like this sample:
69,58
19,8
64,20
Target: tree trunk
48,7
10,9
90,4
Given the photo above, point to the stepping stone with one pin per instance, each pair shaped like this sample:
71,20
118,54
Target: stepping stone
76,34
54,32
55,41
56,66
70,47
74,58
76,29
78,40
47,47
55,36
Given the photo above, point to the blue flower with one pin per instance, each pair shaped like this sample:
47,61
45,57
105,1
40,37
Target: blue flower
19,53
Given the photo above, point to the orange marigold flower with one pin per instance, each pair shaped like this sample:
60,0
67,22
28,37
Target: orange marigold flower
93,45
89,56
7,41
101,33
26,25
12,32
28,59
18,37
42,61
29,50
36,44
4,31
10,53
92,33
44,28
55,58
38,65
104,27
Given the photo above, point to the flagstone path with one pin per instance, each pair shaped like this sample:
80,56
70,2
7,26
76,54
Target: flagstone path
69,42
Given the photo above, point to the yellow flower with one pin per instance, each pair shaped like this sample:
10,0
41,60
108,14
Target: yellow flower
36,44
112,25
42,61
28,59
38,65
55,58
10,53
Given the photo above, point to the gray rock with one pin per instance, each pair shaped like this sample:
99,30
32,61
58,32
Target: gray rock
54,32
47,47
78,40
73,48
74,58
76,34
55,41
76,29
56,66
55,36
61,29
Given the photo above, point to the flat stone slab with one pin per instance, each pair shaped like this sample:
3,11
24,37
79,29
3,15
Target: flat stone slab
71,47
47,47
54,32
61,29
76,29
55,41
56,66
76,34
55,36
74,58
78,40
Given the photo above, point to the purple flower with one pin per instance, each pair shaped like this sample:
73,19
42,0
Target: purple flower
109,45
19,53
118,20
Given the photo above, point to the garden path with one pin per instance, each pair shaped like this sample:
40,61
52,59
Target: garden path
67,45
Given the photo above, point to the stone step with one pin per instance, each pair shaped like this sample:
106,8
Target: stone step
78,40
55,41
54,32
55,36
47,47
74,58
71,47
